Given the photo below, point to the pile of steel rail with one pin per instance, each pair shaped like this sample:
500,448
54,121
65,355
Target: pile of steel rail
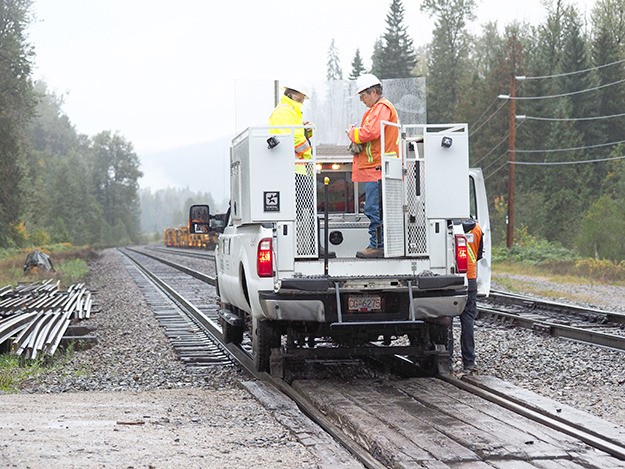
37,315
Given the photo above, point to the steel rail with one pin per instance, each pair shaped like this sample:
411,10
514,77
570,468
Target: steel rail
596,440
194,273
243,358
580,334
529,302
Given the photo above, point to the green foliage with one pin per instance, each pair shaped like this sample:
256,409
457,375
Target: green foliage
532,250
16,371
16,108
166,208
394,55
600,233
13,372
72,271
335,72
448,55
358,68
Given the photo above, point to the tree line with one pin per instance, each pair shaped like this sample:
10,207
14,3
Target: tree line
56,184
566,76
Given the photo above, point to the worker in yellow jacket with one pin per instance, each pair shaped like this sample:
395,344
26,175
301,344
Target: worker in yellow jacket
289,112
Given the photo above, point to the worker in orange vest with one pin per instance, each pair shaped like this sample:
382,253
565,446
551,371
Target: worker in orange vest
475,246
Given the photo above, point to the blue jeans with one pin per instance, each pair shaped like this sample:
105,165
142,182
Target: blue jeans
372,210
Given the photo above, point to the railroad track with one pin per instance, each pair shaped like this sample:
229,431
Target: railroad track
592,326
428,422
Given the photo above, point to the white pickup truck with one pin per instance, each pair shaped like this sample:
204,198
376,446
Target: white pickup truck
286,265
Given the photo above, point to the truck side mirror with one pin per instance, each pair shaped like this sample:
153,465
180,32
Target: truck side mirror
199,219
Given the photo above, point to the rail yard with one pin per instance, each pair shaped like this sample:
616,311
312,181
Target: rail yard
359,396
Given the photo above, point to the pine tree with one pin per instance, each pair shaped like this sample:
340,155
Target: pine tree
396,56
358,67
17,102
449,52
335,72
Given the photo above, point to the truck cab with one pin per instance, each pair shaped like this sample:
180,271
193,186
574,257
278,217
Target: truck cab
285,262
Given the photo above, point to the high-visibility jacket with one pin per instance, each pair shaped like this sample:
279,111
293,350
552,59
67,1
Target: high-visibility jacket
475,246
368,134
289,112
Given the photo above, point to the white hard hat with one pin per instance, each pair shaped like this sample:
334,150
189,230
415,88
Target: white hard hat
299,87
366,81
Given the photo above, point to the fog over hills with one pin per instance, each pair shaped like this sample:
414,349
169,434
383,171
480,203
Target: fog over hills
201,168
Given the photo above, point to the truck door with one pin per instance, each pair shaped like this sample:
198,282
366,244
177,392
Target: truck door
393,201
479,210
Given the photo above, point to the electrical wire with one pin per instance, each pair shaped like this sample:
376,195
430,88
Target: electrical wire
473,132
496,171
574,73
553,150
571,119
492,150
561,95
555,163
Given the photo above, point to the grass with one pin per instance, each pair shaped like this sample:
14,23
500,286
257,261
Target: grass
520,277
15,371
70,263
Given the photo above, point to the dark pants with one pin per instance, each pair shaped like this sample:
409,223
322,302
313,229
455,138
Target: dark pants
467,320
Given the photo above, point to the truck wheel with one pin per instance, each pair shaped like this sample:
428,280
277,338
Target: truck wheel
264,339
231,334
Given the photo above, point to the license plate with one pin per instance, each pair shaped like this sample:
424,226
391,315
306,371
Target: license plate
364,304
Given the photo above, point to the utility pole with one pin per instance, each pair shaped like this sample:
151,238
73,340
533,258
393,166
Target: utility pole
511,159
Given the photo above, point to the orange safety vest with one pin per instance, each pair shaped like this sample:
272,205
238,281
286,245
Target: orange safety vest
370,156
474,248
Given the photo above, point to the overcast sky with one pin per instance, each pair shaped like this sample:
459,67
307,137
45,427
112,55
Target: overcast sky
163,73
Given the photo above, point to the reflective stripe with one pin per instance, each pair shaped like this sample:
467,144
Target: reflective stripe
370,157
302,148
356,138
471,254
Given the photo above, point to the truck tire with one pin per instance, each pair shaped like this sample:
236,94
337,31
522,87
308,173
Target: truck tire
264,339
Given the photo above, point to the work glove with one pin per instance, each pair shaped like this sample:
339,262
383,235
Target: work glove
355,148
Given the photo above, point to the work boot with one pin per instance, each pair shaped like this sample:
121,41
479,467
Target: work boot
370,252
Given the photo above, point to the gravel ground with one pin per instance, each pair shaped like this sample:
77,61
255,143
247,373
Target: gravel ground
582,376
128,402
156,407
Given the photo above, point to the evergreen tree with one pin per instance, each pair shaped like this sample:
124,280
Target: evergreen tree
116,173
449,52
358,67
335,72
608,47
16,108
396,57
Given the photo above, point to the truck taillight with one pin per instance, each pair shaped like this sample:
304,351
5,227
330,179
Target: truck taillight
264,261
462,254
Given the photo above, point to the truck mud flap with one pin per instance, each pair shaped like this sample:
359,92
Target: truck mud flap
434,282
230,317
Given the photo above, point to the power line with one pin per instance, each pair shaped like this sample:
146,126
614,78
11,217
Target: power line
554,163
571,73
561,95
496,171
553,150
568,119
473,132
492,150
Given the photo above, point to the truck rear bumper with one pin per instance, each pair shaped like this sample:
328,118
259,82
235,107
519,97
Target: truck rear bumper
314,310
